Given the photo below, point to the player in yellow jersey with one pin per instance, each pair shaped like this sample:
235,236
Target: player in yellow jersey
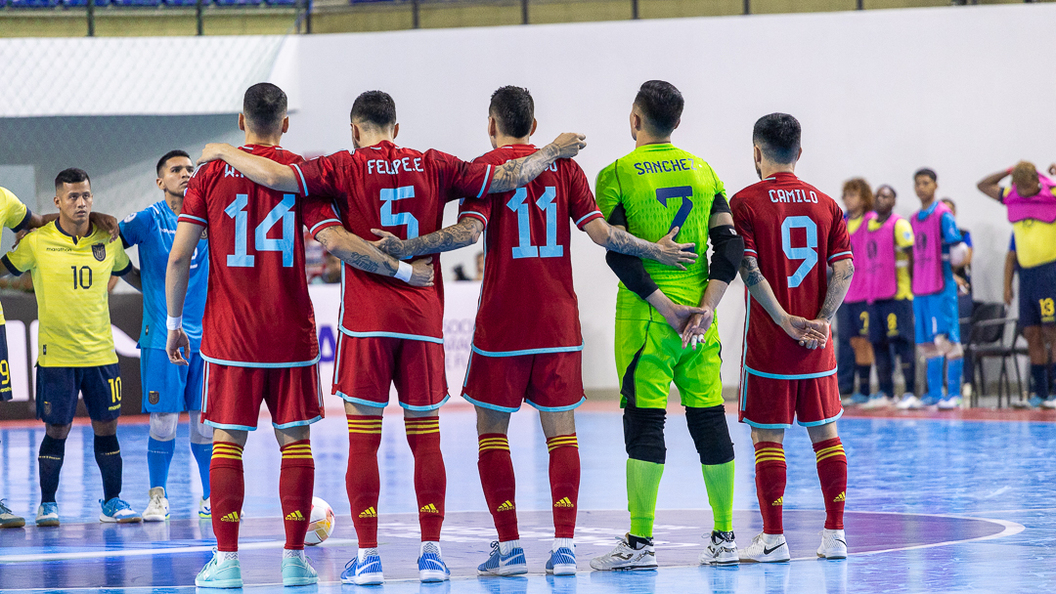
71,261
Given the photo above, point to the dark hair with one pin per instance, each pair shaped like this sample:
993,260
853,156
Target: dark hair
865,194
778,136
71,176
170,155
374,107
661,104
513,110
894,194
928,172
264,107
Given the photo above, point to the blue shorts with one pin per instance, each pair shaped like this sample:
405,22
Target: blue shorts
1037,295
936,315
5,367
170,388
57,389
892,320
858,313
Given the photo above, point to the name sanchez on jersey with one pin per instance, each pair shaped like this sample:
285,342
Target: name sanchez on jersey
796,195
667,166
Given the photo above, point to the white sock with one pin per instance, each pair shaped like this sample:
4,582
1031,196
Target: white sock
293,554
363,553
228,555
429,546
563,542
509,545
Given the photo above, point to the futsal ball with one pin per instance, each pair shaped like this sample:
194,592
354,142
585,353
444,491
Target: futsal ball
320,523
958,254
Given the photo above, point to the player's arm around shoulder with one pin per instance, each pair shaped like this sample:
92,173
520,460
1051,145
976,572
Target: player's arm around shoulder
22,257
363,255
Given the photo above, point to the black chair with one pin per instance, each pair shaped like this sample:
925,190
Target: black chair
986,340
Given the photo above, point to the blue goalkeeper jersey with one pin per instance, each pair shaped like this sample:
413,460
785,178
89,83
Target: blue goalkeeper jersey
153,229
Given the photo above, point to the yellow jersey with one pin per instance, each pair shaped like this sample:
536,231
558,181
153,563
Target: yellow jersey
13,215
70,275
1035,240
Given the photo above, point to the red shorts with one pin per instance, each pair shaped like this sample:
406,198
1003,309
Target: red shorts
547,381
366,366
231,396
769,403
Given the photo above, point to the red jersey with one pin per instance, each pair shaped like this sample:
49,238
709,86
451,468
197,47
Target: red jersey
527,303
794,231
402,191
257,311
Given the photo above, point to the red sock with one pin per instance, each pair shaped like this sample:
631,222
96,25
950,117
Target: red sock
362,480
430,478
564,483
296,483
832,470
499,483
229,488
770,484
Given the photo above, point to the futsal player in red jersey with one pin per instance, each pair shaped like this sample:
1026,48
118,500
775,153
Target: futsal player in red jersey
259,339
390,333
792,234
527,343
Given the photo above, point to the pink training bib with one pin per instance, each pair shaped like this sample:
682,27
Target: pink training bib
881,262
927,252
1040,207
859,289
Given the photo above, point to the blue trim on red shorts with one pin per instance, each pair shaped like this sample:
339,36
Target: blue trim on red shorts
426,407
557,408
800,376
496,407
821,422
297,423
229,427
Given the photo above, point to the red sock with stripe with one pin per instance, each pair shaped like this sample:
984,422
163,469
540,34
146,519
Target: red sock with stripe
500,485
228,492
430,477
770,484
362,480
564,483
296,484
832,471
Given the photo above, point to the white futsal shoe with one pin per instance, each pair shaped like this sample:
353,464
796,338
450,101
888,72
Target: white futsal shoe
625,557
833,544
766,548
721,550
909,401
158,508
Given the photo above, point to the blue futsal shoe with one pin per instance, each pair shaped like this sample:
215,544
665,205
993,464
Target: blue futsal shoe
220,574
298,571
431,567
364,569
562,562
858,398
118,511
512,563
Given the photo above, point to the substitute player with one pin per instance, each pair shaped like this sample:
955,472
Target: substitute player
888,261
792,234
169,389
71,261
652,191
1031,203
528,276
392,333
935,313
858,199
257,291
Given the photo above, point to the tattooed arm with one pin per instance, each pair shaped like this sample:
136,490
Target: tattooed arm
465,232
808,333
842,271
664,251
514,174
361,254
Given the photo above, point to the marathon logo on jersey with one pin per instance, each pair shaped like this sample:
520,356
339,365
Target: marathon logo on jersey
99,251
153,397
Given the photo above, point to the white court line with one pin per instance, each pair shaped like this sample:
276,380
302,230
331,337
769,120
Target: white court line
251,546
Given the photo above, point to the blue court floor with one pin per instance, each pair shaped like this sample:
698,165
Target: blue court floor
933,505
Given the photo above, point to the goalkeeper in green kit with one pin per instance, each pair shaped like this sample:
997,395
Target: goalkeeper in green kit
665,320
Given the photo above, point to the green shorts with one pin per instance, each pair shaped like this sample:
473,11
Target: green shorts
649,356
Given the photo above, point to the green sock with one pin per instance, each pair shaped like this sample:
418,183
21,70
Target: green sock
718,478
643,481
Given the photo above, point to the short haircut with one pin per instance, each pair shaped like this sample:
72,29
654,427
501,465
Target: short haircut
264,107
861,186
169,155
71,176
661,104
778,136
513,110
894,194
374,107
950,204
1024,174
928,172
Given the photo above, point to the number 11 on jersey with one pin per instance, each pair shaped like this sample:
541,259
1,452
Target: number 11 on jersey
519,205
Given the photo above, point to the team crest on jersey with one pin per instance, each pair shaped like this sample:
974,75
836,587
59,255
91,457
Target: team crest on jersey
153,397
129,218
99,251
